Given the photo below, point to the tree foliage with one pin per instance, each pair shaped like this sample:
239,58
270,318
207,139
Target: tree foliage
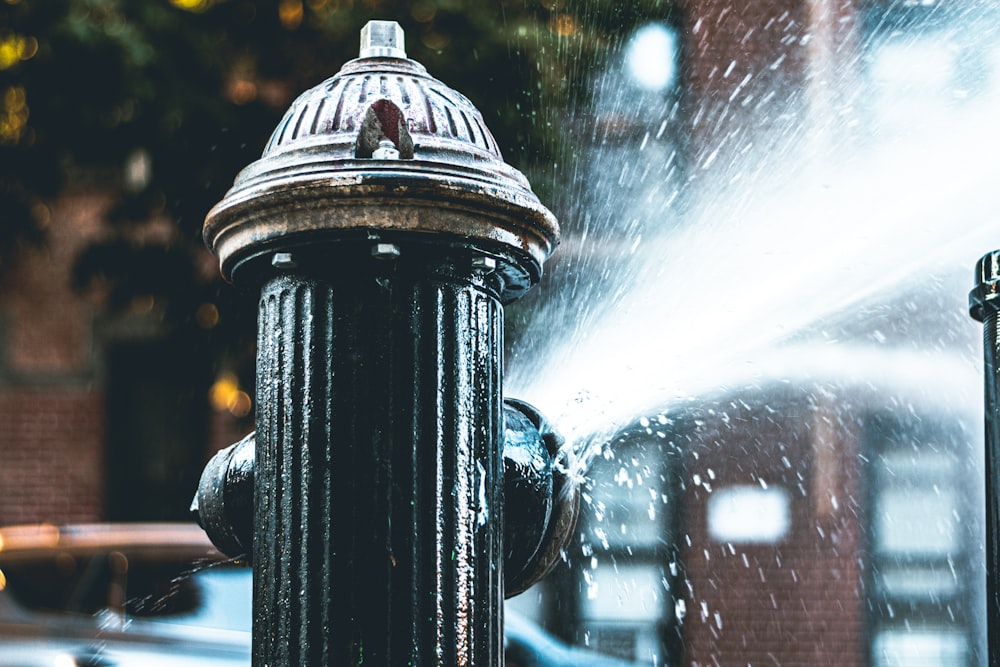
196,86
162,102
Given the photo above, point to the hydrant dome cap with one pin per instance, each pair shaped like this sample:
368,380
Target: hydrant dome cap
383,146
332,113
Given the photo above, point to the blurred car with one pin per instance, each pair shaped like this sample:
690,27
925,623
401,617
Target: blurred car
527,645
120,594
143,595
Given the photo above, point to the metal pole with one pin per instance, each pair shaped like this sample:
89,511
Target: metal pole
983,306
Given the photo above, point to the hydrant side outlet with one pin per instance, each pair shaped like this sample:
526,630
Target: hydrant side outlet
540,500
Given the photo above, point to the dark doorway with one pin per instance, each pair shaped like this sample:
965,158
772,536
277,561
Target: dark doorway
157,425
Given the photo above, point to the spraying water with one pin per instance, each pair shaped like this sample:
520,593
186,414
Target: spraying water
720,317
678,286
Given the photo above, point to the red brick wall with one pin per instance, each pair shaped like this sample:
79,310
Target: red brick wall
47,324
51,455
52,404
764,75
798,601
51,408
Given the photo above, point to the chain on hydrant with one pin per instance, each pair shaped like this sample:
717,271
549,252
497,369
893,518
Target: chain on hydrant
384,232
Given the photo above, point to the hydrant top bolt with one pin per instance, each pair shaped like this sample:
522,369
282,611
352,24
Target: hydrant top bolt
484,264
382,39
386,151
283,260
385,251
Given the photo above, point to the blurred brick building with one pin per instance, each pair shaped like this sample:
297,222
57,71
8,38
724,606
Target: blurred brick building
105,411
805,522
51,409
830,516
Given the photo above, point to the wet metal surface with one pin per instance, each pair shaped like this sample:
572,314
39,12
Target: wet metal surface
539,503
320,174
378,513
384,231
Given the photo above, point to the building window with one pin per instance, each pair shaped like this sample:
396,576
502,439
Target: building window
940,647
921,550
626,603
749,514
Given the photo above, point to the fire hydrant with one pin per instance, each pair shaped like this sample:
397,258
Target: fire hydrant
384,231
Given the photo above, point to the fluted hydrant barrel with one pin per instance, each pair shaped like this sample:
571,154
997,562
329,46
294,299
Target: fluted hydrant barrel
378,512
385,233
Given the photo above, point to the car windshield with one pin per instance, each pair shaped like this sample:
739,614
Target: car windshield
209,594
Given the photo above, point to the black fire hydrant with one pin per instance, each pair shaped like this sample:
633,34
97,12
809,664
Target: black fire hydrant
384,231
